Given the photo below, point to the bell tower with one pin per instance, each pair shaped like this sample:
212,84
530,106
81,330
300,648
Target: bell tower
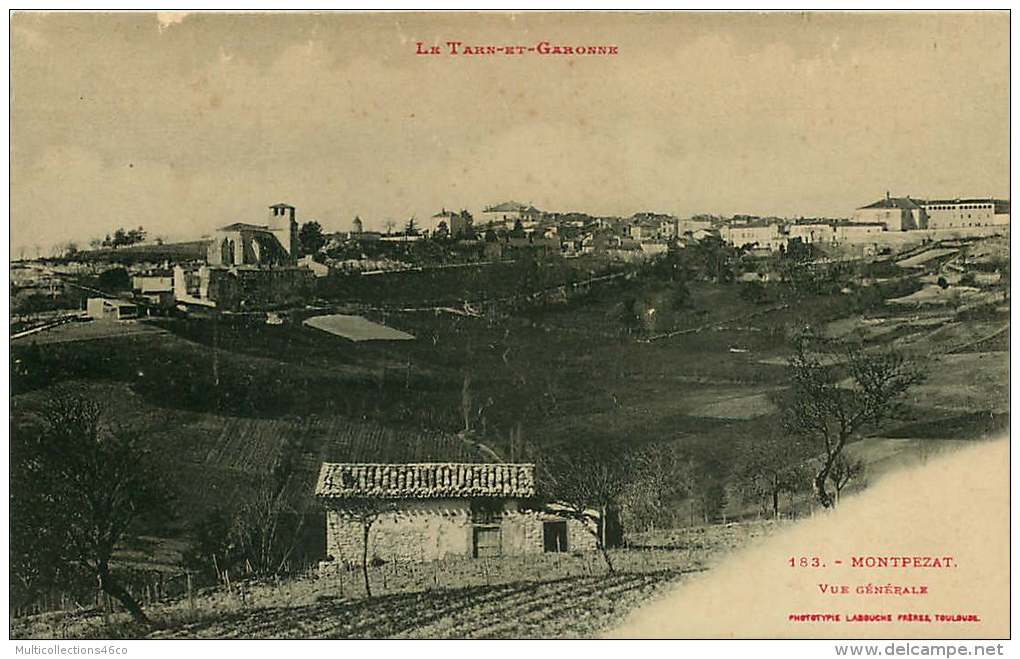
283,223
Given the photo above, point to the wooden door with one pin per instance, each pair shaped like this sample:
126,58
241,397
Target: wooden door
488,541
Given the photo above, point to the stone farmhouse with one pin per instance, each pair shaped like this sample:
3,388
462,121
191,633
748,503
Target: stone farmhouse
432,511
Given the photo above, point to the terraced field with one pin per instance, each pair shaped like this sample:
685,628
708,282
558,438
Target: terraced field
540,596
570,607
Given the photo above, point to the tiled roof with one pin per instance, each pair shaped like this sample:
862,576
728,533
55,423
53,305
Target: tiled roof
244,226
428,480
903,203
973,200
510,206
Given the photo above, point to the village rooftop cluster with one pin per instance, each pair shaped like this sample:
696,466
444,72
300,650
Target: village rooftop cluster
246,265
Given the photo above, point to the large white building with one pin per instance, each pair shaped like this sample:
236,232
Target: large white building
510,212
896,213
760,234
962,213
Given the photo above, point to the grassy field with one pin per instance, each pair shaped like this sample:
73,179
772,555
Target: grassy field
545,596
219,399
204,388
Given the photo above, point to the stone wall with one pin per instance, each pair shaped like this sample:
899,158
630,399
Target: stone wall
523,533
419,530
433,529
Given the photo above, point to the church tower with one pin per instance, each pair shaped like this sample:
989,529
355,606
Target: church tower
283,223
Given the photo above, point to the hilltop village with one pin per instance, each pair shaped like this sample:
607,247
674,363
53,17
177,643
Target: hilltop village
275,260
554,405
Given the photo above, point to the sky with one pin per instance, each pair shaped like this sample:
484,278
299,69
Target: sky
183,123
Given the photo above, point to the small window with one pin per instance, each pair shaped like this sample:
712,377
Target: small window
486,511
554,536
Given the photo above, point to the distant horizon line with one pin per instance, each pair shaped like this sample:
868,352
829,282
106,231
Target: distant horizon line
177,238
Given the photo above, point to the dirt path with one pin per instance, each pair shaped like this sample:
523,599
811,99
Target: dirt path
715,324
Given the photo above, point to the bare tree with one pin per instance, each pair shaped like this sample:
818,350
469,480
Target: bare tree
265,530
844,470
772,463
90,488
365,512
661,474
588,480
466,408
390,225
832,412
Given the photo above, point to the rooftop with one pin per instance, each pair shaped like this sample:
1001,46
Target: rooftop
244,226
425,480
510,207
972,200
903,203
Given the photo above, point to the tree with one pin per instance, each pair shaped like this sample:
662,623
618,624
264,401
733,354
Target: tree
467,411
753,292
114,279
124,236
135,236
770,464
86,489
311,238
715,258
365,512
629,312
587,479
844,470
661,475
211,548
266,529
680,295
527,272
672,267
411,228
831,412
390,225
797,250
